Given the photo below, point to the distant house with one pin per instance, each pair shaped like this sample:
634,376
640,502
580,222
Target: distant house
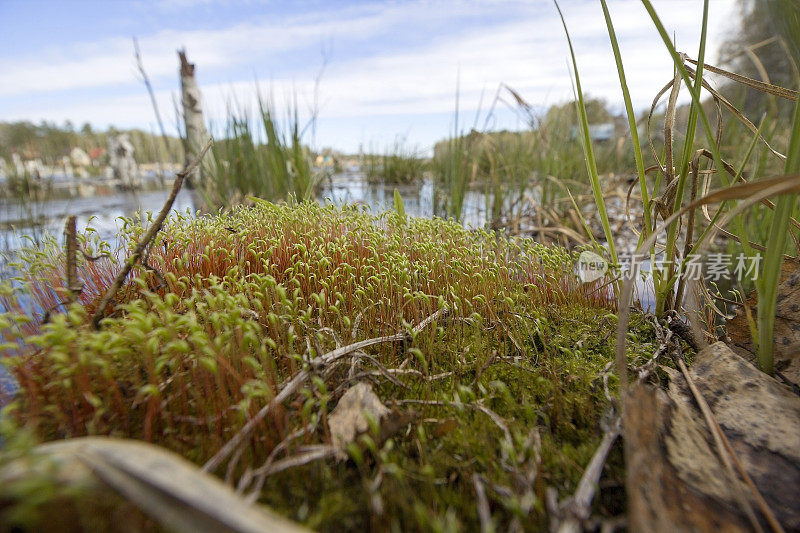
95,154
603,132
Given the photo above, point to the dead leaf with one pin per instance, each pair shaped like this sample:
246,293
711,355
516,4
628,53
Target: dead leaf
347,421
443,427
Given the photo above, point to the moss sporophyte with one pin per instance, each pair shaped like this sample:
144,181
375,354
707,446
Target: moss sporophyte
508,383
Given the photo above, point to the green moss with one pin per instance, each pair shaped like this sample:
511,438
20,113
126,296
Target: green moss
244,299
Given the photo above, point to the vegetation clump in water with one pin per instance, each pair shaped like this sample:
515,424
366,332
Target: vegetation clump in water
505,391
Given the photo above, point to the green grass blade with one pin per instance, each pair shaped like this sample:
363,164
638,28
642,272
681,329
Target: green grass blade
637,150
399,207
770,277
591,164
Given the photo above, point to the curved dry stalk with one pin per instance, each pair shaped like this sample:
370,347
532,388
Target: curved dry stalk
148,236
736,113
769,88
579,506
295,383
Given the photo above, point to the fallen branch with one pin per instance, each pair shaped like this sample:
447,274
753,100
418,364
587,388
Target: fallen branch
74,287
148,236
149,86
578,507
295,383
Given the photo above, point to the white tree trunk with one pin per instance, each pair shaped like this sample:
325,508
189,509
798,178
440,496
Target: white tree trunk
196,133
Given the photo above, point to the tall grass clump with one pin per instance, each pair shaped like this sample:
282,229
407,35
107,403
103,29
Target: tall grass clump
452,170
591,164
786,207
527,171
260,156
397,165
676,197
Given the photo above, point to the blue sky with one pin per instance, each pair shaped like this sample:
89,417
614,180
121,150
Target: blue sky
390,68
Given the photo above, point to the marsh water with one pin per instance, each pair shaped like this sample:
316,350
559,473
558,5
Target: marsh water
103,212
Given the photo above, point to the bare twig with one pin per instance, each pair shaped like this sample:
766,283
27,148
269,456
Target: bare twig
311,454
578,507
295,383
382,370
262,472
74,287
497,419
484,512
148,236
146,79
494,417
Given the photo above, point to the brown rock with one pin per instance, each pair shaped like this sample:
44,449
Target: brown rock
676,481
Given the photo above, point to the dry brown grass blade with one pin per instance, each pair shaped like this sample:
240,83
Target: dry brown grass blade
631,225
519,99
736,113
749,51
753,191
768,88
732,172
653,106
664,203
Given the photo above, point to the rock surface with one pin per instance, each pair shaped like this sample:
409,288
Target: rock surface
787,326
676,481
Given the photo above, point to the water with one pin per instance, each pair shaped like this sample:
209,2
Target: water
103,212
100,212
351,187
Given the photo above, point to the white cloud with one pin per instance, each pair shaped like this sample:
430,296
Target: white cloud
530,54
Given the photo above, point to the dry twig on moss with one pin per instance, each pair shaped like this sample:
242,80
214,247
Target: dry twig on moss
295,383
148,236
578,507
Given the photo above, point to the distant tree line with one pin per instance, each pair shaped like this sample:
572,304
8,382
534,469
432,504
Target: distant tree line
49,141
759,47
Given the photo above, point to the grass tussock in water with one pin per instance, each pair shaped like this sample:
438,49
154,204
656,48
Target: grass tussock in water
399,164
507,388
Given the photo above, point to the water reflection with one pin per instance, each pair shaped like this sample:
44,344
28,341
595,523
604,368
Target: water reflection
103,212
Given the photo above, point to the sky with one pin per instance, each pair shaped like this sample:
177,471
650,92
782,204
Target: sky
373,73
